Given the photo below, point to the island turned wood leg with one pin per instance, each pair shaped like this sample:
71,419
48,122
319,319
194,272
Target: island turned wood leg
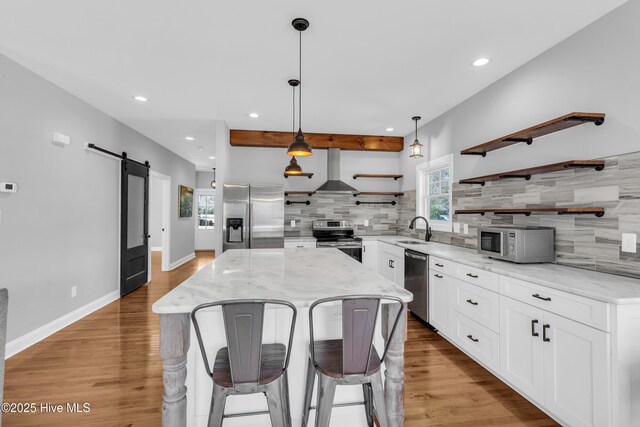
394,362
174,344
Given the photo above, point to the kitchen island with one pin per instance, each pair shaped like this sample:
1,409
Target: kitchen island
300,276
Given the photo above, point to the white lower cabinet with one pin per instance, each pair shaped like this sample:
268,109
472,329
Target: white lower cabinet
521,346
561,364
576,364
392,263
477,340
371,254
441,303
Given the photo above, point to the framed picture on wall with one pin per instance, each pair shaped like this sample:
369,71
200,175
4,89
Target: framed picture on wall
185,195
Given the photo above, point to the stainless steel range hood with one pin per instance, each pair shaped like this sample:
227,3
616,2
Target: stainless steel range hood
333,184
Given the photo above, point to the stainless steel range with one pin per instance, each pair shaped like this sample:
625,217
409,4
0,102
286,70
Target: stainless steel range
339,235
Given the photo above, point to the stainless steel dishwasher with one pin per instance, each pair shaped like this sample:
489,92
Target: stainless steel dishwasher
416,281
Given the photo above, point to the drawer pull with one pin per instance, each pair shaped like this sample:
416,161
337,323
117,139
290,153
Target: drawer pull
542,298
472,302
533,328
439,265
438,276
472,275
544,333
299,246
472,338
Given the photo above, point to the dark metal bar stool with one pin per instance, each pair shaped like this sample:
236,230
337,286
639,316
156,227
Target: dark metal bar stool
352,360
246,365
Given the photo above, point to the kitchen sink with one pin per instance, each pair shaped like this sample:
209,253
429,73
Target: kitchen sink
409,242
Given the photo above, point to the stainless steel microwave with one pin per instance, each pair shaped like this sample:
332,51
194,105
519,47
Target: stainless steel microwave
518,244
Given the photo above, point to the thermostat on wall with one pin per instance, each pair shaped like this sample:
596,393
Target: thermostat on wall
8,187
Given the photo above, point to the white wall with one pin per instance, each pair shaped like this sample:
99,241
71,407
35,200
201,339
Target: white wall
223,163
595,70
155,212
62,228
266,165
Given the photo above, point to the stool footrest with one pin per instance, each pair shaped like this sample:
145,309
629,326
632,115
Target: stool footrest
341,405
245,414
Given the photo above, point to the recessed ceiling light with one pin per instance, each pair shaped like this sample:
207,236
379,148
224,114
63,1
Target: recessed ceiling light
480,62
212,157
189,138
141,98
254,115
200,148
389,129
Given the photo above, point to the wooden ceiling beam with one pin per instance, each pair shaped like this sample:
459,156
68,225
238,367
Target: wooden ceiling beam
270,139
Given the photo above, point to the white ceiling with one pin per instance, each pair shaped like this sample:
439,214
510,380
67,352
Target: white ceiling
366,65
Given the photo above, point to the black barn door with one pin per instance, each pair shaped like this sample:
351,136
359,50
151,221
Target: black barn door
134,219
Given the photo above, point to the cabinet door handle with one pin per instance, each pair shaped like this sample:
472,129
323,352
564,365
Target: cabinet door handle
542,298
438,276
544,333
472,275
439,265
391,263
533,328
472,302
472,338
364,249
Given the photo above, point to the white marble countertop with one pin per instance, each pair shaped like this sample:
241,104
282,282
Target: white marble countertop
300,276
591,284
300,239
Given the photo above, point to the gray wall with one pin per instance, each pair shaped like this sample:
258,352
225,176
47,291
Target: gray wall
61,229
203,180
595,70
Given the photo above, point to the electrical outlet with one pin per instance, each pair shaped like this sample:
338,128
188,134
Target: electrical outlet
466,229
293,223
456,227
366,222
629,242
74,291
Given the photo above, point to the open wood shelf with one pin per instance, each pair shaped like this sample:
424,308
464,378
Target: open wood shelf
542,129
560,211
375,175
526,173
308,175
378,193
308,193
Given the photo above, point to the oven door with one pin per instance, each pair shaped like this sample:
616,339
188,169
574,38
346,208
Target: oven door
492,242
354,251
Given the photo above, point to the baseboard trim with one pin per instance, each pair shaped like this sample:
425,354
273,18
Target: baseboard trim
17,345
156,248
181,261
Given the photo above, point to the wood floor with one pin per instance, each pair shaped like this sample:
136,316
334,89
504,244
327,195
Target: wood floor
110,359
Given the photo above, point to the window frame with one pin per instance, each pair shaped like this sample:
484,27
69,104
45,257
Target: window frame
422,192
206,194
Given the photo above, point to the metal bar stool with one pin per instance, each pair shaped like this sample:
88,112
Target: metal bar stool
352,360
246,365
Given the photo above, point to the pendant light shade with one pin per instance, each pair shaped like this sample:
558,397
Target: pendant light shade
299,147
416,147
213,183
293,168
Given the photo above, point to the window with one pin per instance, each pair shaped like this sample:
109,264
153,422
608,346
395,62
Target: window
434,193
205,212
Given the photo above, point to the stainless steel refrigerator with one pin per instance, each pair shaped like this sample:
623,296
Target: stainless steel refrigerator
253,216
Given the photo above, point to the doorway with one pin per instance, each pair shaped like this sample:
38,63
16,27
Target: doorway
204,200
160,218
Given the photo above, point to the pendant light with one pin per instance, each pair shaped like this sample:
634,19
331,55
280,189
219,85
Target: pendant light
300,147
416,147
213,183
293,168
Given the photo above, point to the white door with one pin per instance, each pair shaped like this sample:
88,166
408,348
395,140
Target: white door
441,303
371,255
521,346
576,378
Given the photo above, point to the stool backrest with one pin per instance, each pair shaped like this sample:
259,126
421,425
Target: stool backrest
359,317
244,325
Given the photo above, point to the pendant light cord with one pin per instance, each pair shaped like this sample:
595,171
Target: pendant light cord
293,104
300,79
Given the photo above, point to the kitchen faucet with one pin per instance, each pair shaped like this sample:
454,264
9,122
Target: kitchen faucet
427,234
